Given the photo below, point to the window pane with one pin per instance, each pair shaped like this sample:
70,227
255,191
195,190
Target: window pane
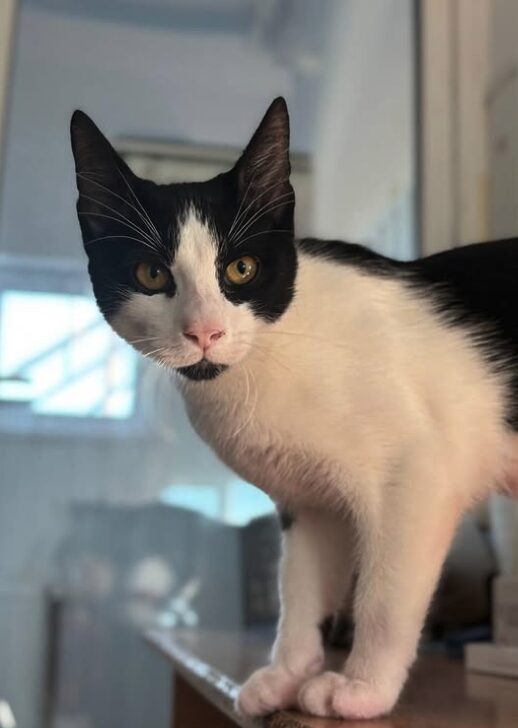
58,355
204,499
245,502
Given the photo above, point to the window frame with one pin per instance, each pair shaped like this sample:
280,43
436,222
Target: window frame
43,275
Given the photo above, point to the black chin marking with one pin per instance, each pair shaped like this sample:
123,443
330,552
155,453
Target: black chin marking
203,370
287,520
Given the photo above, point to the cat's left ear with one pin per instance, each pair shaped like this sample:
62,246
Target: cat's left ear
104,180
263,170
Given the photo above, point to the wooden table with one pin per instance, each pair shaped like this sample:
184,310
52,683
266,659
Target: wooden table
209,666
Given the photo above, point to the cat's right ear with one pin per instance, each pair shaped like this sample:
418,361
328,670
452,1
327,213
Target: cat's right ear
104,180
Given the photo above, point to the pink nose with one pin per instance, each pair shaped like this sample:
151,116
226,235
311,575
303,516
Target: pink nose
203,337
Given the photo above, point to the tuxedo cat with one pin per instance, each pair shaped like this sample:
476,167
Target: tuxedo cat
373,400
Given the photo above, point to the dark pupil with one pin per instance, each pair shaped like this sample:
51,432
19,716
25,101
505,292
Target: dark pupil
242,268
154,271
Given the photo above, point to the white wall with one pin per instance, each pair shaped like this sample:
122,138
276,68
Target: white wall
454,55
142,81
502,105
363,151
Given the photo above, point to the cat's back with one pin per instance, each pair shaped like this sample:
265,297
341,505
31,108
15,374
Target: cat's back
476,285
484,274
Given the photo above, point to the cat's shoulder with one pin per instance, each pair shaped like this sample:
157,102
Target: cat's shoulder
351,254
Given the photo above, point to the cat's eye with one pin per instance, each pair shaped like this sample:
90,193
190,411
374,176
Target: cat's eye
242,270
152,277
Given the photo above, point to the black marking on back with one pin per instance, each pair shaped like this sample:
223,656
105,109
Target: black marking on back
350,254
474,287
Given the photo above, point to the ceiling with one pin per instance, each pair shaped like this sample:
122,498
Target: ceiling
210,15
294,30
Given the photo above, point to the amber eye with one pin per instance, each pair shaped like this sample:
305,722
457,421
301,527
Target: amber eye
242,270
151,276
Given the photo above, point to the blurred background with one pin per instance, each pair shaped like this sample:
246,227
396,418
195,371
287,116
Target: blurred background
114,517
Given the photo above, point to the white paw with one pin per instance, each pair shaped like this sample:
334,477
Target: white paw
267,690
332,695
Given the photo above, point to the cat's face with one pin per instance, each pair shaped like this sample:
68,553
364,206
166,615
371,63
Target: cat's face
189,274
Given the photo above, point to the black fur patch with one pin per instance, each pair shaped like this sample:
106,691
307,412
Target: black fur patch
286,519
203,370
476,287
326,629
337,631
271,291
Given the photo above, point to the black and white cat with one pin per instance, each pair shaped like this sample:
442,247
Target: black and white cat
374,400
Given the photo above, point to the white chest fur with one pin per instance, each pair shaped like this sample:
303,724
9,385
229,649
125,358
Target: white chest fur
261,449
331,404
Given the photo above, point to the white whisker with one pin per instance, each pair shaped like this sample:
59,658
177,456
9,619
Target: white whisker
243,220
238,213
252,410
107,237
88,179
263,232
143,339
146,244
305,334
151,224
122,217
262,211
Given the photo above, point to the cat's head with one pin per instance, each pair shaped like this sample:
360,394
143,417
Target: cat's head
190,273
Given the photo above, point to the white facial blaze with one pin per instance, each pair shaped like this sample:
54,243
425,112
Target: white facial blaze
156,324
194,270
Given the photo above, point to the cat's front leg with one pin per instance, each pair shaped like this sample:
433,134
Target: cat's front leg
315,573
403,547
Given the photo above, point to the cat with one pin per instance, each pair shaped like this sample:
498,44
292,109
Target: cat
374,400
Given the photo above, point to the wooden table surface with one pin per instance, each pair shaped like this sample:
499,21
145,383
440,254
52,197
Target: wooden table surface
439,693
